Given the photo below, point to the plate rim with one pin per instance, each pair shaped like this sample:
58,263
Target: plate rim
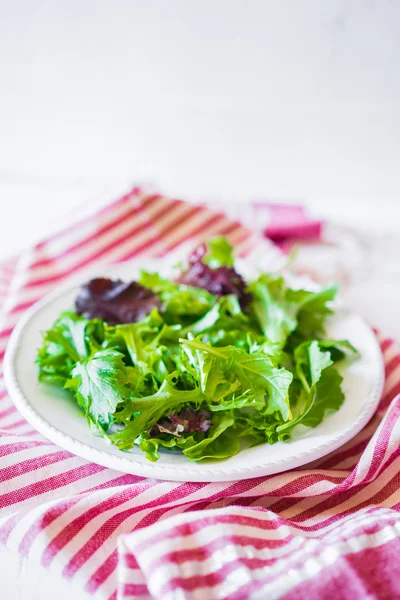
160,471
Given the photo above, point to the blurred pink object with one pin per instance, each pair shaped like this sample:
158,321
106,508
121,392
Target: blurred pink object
287,223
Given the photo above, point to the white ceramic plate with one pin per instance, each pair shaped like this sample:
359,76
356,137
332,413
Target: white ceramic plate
56,415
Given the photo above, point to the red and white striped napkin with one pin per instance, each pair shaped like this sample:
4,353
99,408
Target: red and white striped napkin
327,530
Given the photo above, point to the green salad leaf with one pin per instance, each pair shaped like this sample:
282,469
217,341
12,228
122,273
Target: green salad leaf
219,253
99,383
219,443
207,372
182,304
69,340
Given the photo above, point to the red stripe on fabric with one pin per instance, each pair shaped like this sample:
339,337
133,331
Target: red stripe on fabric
7,528
56,277
7,412
392,364
151,197
5,333
123,480
184,238
195,211
203,552
217,577
132,589
198,506
369,573
129,561
103,212
74,526
13,425
303,482
334,501
109,526
156,515
228,230
252,501
3,393
25,433
136,228
160,234
387,490
50,483
386,344
255,585
32,464
389,396
208,580
192,527
382,442
103,229
50,515
131,215
231,489
15,447
337,458
102,573
53,513
22,306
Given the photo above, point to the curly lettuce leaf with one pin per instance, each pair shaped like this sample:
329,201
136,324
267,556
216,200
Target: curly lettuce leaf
255,374
314,310
279,310
310,362
70,339
318,391
99,384
181,303
148,410
219,443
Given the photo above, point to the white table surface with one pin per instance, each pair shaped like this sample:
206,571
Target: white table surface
296,100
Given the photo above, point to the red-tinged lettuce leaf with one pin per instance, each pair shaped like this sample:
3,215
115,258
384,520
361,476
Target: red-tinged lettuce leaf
181,304
211,268
187,421
148,410
192,420
220,281
115,301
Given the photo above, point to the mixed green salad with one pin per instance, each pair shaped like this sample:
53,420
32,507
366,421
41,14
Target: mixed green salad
205,363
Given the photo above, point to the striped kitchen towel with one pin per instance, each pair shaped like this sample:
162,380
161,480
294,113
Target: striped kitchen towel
327,530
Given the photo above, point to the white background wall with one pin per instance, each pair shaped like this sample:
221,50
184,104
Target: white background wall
286,99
